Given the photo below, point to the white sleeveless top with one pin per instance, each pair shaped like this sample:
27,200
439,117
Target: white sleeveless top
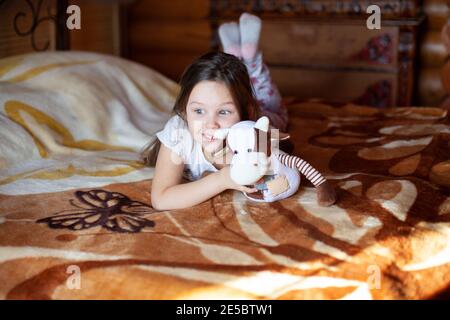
176,137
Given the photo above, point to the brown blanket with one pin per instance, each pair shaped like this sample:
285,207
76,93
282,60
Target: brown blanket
388,237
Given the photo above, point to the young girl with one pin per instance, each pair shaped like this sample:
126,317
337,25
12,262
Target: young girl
216,92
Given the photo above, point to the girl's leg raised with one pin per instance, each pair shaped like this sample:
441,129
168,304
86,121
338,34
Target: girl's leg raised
242,40
266,91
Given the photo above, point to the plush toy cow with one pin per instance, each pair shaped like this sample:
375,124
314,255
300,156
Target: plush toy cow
258,161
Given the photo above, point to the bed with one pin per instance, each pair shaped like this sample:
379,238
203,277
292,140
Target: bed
77,222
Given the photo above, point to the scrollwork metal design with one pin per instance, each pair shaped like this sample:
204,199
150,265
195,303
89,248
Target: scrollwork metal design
37,18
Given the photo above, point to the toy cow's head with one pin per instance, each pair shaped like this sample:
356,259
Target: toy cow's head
251,144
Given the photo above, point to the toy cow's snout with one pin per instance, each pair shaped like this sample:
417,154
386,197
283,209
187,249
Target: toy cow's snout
250,143
248,167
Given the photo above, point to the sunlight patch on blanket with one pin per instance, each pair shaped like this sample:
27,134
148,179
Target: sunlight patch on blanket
344,228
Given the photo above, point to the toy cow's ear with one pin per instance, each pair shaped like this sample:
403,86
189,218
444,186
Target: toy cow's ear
284,135
281,136
262,124
221,134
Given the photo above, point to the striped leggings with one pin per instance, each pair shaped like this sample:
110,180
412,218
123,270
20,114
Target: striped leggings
267,93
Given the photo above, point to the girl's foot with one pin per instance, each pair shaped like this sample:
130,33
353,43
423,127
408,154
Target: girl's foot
250,29
230,38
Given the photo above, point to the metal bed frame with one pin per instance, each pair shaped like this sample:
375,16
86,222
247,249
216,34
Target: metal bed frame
39,15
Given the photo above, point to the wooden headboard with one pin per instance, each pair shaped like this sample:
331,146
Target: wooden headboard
32,26
40,25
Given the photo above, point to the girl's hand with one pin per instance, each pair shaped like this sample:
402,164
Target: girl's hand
228,183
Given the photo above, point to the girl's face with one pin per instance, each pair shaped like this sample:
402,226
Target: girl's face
210,106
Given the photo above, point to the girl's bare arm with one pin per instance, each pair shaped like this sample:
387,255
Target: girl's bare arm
169,193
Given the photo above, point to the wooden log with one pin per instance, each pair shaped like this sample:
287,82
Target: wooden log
171,64
432,50
437,12
445,77
446,104
431,89
167,10
99,31
191,36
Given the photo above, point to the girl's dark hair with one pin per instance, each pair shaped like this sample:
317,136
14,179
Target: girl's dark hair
212,66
